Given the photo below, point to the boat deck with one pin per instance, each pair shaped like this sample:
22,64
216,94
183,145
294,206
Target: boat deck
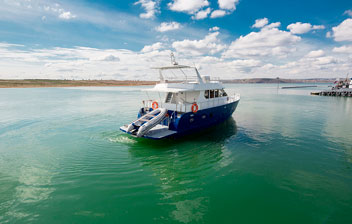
157,132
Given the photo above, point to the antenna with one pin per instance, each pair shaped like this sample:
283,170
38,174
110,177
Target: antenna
173,60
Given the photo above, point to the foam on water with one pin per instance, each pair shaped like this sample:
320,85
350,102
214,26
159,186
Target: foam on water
122,139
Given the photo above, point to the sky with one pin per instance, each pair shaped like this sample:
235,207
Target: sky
229,39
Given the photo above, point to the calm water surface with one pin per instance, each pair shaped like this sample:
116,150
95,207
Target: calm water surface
284,157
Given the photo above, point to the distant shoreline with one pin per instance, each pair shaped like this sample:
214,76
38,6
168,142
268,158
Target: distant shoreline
42,83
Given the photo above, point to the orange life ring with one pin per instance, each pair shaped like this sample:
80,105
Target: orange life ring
194,108
155,105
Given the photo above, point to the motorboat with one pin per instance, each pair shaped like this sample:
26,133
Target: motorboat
184,102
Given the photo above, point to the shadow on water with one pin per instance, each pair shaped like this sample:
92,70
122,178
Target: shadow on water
182,167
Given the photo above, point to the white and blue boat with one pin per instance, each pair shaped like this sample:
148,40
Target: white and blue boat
184,103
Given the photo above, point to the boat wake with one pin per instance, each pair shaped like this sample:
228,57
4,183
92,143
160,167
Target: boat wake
122,139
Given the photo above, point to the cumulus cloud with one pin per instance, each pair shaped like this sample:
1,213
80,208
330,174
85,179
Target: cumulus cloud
343,32
154,47
168,26
347,49
196,8
111,58
188,6
315,54
301,28
79,63
228,4
259,23
215,28
218,13
202,14
272,25
83,62
269,41
348,12
209,45
149,6
245,65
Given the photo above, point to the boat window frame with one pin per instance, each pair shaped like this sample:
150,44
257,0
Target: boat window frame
206,94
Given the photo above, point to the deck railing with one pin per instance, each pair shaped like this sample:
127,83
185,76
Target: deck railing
187,107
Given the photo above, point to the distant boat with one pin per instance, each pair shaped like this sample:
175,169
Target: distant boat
190,103
343,87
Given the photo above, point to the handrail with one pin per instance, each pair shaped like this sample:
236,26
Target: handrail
187,107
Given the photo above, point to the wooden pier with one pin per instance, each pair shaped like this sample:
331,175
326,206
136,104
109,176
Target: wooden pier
294,87
335,92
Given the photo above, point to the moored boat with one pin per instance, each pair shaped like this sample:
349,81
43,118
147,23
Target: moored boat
187,103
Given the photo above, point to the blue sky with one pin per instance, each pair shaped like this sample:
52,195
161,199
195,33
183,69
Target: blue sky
87,39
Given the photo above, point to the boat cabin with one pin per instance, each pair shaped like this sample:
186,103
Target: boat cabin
181,87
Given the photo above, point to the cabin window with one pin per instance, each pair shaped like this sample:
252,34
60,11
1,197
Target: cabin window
216,93
206,94
211,93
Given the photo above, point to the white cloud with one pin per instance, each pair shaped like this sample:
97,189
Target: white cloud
215,28
209,45
168,26
301,28
67,15
218,13
347,49
202,14
348,12
228,4
83,62
273,25
150,7
188,6
324,60
315,54
80,63
259,23
57,9
266,42
318,27
154,47
111,58
245,63
343,32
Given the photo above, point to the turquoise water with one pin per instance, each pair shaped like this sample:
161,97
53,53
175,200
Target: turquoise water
284,157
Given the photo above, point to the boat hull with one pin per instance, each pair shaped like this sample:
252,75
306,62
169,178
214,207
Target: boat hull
193,122
189,123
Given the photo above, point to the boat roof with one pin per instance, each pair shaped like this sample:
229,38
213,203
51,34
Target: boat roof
177,78
171,90
184,87
172,67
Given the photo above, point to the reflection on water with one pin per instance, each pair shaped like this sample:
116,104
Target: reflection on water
338,125
33,186
180,166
